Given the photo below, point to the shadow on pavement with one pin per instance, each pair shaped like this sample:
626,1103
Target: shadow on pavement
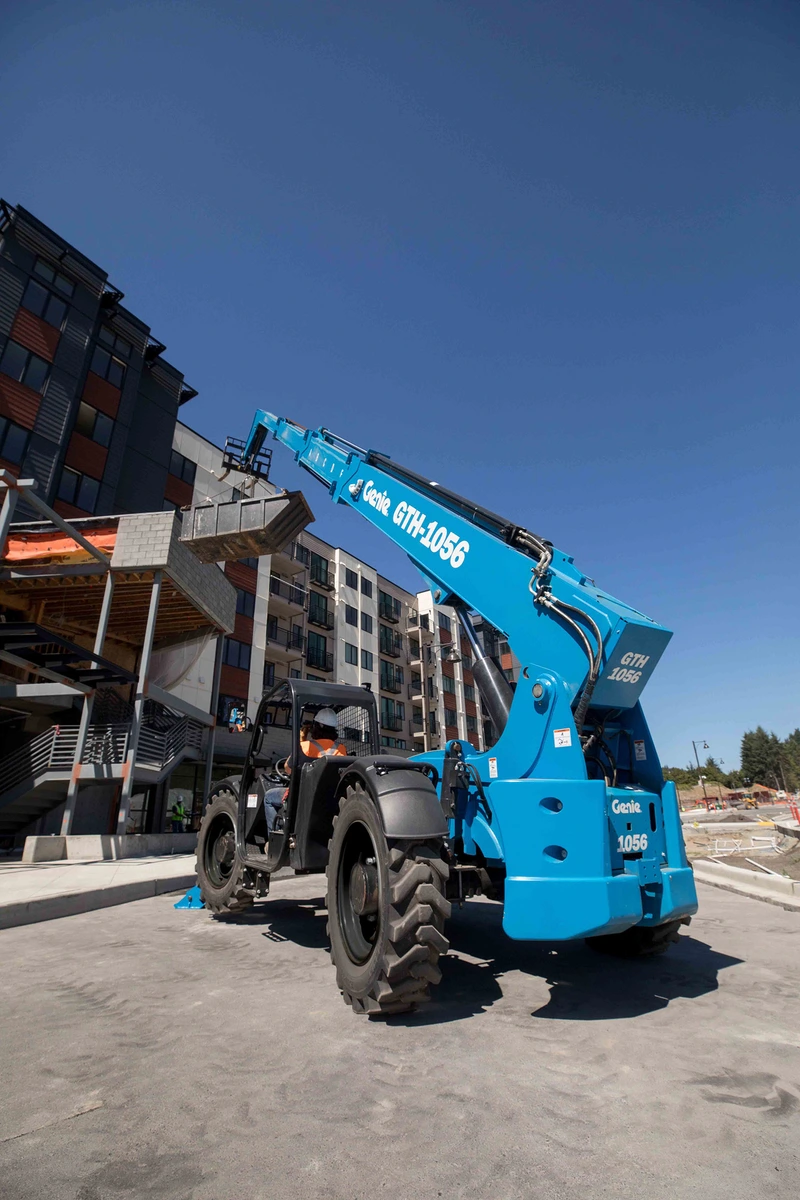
584,985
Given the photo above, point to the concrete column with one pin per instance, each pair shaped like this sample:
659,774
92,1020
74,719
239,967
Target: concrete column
9,504
86,712
138,707
213,710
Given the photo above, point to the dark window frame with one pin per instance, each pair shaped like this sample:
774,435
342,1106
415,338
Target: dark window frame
50,304
28,358
98,421
43,269
186,469
7,426
351,654
351,578
81,486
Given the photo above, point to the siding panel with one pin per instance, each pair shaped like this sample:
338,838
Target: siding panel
177,491
12,285
102,395
35,334
85,456
73,345
40,462
55,407
18,402
241,576
234,682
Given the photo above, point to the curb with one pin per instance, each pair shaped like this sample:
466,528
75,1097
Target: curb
747,883
70,904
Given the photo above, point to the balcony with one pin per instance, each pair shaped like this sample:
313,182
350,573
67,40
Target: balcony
417,723
321,659
287,644
419,626
321,617
391,722
321,573
416,690
390,683
293,559
390,643
389,609
287,597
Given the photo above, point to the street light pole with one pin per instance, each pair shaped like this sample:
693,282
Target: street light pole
701,742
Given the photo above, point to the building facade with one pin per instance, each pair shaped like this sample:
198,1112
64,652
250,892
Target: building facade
88,403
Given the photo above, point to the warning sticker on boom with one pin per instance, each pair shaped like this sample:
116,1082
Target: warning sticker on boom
493,768
562,737
639,751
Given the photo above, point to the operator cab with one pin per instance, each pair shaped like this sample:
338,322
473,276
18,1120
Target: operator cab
304,825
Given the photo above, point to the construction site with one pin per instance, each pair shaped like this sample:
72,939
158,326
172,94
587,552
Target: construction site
346,642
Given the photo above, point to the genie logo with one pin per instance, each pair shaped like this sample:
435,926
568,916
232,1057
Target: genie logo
626,806
378,500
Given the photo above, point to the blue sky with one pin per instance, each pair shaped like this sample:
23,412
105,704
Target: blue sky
546,253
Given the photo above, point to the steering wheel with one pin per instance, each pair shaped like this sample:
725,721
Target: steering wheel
278,775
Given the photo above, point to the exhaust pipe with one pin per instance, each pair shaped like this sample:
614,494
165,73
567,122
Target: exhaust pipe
495,690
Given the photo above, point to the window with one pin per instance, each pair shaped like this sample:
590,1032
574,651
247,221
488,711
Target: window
269,674
184,468
93,424
366,622
13,441
294,673
319,570
80,490
25,367
448,684
351,654
444,622
393,743
316,678
44,304
350,614
114,342
416,680
107,367
431,689
249,562
472,723
469,691
432,724
245,603
45,271
366,587
318,611
400,710
236,654
351,578
367,660
413,648
388,606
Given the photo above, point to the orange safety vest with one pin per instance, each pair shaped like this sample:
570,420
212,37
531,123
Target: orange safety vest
327,747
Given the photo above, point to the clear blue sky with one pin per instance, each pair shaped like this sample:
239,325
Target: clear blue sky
545,252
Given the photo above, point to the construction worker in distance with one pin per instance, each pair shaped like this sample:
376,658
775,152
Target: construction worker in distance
178,815
318,739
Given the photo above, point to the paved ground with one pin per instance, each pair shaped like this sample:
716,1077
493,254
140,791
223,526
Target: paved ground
42,891
148,1052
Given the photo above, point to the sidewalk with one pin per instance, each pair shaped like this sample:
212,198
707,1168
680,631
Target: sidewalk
32,892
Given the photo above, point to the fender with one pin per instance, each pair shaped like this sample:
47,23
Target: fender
403,794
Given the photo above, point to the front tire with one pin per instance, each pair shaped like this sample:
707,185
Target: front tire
225,887
639,941
386,911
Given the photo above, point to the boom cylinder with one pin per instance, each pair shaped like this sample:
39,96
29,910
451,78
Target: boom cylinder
495,690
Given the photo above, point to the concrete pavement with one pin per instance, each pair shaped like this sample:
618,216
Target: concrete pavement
159,1053
31,892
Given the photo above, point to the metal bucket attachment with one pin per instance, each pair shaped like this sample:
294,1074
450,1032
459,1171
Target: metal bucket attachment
244,528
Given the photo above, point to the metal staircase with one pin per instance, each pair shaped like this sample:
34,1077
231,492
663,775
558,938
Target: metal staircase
34,777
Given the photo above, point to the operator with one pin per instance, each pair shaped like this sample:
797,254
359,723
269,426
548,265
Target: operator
318,739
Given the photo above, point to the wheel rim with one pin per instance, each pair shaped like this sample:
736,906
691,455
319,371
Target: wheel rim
358,893
219,853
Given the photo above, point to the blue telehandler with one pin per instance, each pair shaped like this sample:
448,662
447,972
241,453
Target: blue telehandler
566,819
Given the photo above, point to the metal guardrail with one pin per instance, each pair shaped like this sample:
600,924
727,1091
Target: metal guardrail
292,593
54,749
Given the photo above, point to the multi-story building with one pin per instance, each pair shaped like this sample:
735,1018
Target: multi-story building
447,703
88,403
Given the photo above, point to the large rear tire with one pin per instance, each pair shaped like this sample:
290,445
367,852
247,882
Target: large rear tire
386,911
639,941
225,886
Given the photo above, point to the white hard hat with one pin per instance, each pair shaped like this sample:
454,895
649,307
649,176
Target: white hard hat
326,716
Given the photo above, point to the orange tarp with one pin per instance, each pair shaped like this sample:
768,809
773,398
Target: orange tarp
57,547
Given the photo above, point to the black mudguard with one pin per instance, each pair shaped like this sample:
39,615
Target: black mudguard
403,794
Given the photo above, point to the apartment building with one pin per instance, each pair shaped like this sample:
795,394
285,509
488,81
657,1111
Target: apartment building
88,403
446,703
